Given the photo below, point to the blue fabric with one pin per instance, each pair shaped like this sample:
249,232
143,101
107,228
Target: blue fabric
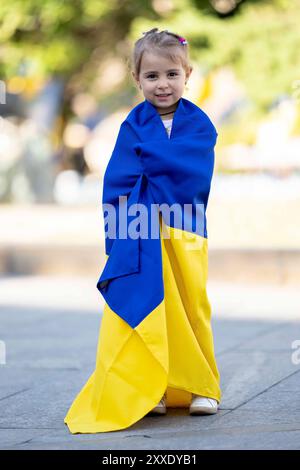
148,167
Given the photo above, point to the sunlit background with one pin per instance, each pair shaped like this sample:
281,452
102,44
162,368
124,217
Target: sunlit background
65,88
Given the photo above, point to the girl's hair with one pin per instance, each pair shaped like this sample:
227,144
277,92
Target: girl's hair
164,42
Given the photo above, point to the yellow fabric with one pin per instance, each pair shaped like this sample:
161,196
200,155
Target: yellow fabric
171,350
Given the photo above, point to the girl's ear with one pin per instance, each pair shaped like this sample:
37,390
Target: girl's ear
136,81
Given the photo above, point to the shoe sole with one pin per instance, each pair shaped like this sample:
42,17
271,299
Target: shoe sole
202,411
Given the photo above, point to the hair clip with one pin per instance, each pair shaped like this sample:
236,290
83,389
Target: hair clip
182,40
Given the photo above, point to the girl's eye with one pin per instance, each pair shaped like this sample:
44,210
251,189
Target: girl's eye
152,74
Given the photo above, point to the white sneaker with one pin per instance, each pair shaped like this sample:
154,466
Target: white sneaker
203,405
160,408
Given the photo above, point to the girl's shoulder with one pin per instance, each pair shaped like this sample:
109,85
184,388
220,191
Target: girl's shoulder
187,110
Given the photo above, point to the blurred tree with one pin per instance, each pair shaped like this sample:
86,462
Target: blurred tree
259,40
73,38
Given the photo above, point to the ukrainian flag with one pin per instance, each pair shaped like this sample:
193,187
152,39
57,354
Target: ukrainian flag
155,334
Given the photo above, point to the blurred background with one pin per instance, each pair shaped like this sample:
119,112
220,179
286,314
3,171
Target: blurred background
65,88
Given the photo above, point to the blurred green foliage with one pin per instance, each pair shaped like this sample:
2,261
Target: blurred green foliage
71,38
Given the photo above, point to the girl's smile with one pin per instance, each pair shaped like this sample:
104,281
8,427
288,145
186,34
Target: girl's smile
163,97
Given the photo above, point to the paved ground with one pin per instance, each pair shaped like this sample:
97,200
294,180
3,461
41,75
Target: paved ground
49,327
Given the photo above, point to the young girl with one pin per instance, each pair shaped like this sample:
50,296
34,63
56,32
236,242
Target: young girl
155,346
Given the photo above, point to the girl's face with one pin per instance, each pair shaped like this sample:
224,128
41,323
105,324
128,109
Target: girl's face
161,76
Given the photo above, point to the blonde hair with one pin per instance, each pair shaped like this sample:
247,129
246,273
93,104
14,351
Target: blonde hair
163,42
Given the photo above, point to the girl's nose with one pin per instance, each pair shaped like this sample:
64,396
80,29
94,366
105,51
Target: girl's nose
163,84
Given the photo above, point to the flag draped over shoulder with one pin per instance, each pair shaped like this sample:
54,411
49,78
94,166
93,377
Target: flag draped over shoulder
152,169
155,332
